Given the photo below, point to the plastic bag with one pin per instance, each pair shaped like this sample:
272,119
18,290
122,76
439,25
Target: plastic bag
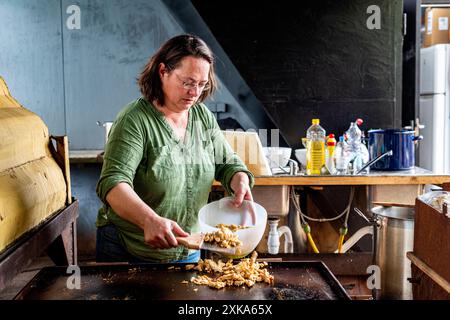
436,199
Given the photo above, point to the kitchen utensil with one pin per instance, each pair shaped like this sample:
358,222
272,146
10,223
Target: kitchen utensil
300,154
224,211
195,241
400,141
394,237
361,214
277,156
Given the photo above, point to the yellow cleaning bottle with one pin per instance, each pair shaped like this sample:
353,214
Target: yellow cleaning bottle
329,161
315,153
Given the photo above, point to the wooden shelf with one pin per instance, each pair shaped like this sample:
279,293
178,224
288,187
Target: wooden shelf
86,156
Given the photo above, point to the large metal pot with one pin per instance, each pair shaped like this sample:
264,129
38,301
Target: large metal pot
394,237
400,141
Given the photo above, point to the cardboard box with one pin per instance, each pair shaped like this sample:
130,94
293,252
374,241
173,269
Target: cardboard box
437,22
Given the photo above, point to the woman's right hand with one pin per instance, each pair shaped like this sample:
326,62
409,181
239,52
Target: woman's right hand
160,232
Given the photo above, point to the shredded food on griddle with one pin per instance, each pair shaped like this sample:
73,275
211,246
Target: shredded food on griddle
247,272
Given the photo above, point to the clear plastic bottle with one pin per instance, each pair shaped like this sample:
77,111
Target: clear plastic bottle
340,157
315,154
353,133
357,151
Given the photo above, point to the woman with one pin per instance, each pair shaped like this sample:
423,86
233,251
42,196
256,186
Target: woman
163,152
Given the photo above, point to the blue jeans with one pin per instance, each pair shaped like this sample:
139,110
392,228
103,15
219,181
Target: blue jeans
109,248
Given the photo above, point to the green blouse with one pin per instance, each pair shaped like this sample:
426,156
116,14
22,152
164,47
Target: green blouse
173,177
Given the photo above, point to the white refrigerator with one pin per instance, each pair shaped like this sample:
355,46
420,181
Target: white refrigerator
434,108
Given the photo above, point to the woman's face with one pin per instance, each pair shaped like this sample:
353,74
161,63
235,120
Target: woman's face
183,86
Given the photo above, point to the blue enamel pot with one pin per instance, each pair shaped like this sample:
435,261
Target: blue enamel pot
400,141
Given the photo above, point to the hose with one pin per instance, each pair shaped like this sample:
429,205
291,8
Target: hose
346,210
311,242
342,231
307,230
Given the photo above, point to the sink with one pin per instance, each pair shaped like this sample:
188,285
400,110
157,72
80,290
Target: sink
275,199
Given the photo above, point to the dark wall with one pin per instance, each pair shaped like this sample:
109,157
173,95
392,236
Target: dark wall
314,59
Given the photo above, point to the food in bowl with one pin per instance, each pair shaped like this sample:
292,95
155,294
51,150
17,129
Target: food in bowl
224,237
246,272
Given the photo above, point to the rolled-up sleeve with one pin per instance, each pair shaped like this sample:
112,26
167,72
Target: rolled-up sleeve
123,153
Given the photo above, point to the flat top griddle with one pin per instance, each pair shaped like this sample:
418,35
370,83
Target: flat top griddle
294,280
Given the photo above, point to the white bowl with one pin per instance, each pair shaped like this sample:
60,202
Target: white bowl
223,211
277,156
300,154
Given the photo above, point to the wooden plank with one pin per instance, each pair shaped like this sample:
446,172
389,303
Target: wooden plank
425,288
61,155
432,238
429,272
403,195
33,243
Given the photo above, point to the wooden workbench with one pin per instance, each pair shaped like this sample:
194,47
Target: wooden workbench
416,176
399,187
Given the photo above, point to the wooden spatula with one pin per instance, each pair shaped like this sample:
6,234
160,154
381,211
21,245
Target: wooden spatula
195,241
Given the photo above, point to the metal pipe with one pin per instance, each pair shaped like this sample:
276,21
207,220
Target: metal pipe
368,164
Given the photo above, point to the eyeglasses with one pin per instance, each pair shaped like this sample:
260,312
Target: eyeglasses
192,85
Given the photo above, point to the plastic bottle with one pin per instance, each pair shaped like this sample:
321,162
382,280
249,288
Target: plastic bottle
331,145
315,154
340,157
357,151
353,133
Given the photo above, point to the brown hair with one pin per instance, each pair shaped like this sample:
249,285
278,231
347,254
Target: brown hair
170,54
